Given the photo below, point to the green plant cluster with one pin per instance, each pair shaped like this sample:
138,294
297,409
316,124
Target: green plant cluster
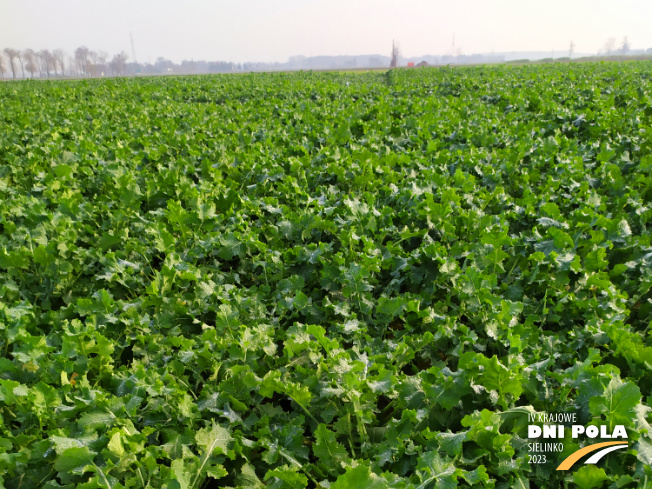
324,280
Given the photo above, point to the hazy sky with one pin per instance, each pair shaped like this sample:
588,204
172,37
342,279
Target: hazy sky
273,30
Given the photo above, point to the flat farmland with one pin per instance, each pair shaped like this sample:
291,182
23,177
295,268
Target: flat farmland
327,280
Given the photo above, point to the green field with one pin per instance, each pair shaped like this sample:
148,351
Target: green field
314,280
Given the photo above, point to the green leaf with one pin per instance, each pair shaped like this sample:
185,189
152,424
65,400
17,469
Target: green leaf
115,445
589,476
328,450
7,388
231,246
618,402
289,475
623,229
432,468
74,460
451,443
476,476
95,421
596,260
447,390
213,442
247,478
360,477
498,377
181,474
62,443
216,471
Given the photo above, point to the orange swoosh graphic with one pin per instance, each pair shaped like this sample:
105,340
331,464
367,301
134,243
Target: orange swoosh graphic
575,456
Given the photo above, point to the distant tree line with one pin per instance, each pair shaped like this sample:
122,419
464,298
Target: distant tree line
162,66
84,62
610,48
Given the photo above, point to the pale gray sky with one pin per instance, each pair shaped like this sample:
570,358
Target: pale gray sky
273,30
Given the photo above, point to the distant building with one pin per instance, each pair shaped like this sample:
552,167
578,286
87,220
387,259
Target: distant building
422,64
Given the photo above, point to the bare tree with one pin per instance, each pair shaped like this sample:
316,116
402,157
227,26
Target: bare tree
71,65
91,64
20,61
395,55
39,65
60,56
102,56
52,61
609,46
81,59
42,63
119,63
12,54
46,60
31,61
625,46
2,67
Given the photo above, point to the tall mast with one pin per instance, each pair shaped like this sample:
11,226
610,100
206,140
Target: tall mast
133,48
